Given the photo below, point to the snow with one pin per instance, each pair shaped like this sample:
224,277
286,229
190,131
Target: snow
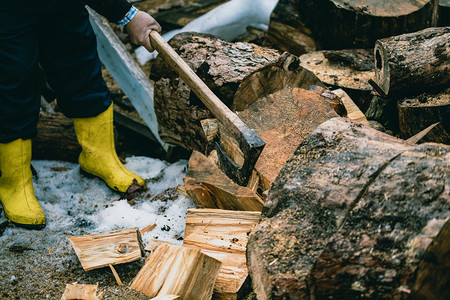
227,21
72,201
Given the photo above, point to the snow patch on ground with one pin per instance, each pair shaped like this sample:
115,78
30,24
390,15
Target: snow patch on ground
79,205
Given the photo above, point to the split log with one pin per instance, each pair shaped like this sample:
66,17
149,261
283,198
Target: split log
240,71
345,69
81,291
444,13
343,24
418,113
283,120
101,250
222,234
353,111
412,63
56,138
349,203
208,187
175,270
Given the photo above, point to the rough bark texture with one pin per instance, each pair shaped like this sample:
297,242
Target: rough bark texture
376,251
411,63
341,24
237,73
332,185
415,116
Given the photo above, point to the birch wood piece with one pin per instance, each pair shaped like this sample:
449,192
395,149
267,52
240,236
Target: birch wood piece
101,250
412,63
283,120
81,292
175,270
209,187
222,234
353,111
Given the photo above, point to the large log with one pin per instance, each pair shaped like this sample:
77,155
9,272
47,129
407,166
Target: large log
56,138
231,70
339,170
283,120
412,63
341,24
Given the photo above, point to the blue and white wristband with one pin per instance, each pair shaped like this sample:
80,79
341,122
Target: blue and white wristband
128,17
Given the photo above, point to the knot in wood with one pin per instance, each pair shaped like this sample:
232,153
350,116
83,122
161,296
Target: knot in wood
122,248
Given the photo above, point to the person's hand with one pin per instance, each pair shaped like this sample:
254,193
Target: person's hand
139,29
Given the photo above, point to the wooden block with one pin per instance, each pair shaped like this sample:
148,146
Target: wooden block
222,234
353,111
101,250
81,292
175,270
209,187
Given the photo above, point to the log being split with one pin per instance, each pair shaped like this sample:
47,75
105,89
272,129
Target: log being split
412,63
238,73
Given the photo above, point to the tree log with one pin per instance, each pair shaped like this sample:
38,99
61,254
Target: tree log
342,24
345,69
283,120
240,71
56,138
344,182
412,63
418,113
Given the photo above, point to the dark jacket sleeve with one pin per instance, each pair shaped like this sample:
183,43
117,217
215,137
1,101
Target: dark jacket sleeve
113,10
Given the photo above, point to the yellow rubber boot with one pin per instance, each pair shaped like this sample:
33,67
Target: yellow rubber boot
16,185
99,157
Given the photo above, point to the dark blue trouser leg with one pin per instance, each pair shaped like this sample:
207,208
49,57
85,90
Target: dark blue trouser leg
62,40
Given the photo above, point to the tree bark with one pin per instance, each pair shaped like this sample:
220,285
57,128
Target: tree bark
412,63
344,182
342,24
56,138
236,72
415,116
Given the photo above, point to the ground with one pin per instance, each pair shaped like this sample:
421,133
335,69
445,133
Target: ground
37,264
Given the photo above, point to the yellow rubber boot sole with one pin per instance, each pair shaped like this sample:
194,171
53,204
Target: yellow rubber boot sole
99,157
16,185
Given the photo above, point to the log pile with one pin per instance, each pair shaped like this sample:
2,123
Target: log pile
336,209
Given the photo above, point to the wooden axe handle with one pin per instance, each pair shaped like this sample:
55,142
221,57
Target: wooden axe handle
228,118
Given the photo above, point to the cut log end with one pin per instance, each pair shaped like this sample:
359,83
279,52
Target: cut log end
381,69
